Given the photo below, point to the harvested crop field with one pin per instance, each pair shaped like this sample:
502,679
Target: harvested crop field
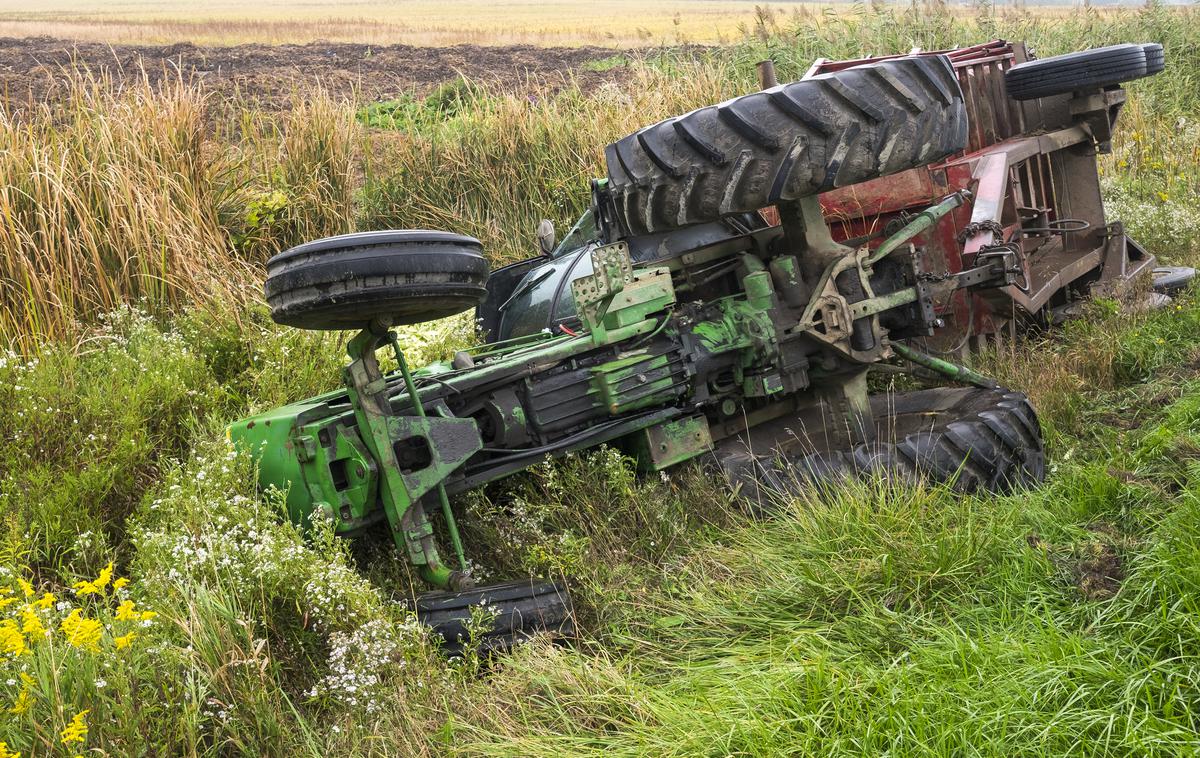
34,68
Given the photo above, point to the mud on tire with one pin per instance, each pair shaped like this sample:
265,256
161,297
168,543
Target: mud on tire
787,142
972,439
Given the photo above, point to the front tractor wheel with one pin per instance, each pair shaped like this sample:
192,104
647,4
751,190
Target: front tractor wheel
399,277
968,438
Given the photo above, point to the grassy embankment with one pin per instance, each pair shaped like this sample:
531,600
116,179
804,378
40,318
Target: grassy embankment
1061,620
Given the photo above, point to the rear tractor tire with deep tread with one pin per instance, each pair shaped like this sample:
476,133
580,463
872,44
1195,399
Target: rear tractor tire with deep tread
400,277
968,438
787,142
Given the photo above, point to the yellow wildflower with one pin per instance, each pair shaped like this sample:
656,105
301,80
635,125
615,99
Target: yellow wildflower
26,587
77,730
6,753
5,602
21,704
11,639
30,623
82,632
147,615
125,611
98,585
1122,164
124,640
1163,196
120,583
45,601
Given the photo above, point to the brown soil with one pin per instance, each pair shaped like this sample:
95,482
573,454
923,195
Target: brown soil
1099,575
30,68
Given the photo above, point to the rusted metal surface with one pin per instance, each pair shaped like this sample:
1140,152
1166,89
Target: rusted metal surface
1030,165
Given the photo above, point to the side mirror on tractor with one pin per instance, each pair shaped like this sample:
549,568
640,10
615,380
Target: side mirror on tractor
545,236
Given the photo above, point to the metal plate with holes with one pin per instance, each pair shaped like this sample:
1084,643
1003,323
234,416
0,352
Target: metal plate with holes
611,271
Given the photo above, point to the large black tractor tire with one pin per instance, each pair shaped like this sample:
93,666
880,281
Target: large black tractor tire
522,609
968,438
787,142
1085,70
402,277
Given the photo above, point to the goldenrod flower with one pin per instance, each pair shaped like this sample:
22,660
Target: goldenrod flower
31,624
11,639
125,611
98,585
77,730
124,640
47,599
147,615
1163,196
6,753
21,704
5,602
120,583
82,632
26,587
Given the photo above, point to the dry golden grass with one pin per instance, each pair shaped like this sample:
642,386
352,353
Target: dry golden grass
122,197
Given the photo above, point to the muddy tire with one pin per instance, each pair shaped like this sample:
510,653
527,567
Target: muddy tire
1087,69
787,142
523,608
403,277
971,439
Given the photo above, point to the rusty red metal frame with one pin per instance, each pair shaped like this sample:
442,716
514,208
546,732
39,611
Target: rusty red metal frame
1030,166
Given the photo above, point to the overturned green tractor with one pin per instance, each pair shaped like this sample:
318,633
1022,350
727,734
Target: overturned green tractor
683,322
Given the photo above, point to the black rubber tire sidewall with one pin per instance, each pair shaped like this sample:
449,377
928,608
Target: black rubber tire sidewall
404,277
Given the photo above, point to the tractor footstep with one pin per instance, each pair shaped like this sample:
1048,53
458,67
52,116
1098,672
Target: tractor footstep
519,610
